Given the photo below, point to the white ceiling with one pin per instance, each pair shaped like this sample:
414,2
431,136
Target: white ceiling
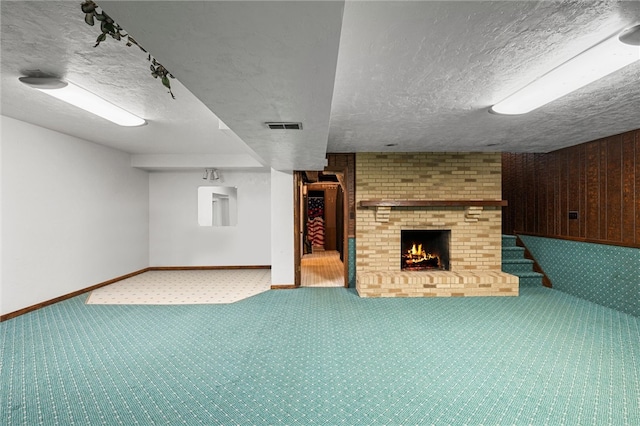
358,75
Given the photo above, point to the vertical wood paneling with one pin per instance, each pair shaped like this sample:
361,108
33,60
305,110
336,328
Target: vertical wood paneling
545,196
550,189
534,175
531,192
628,189
348,163
613,172
340,217
574,184
330,219
592,208
554,182
520,196
582,196
600,180
602,193
637,191
508,184
541,194
563,188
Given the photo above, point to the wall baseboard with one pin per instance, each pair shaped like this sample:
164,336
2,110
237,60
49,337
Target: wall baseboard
284,286
68,296
205,268
120,278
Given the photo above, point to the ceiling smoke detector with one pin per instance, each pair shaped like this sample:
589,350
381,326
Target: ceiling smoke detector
283,125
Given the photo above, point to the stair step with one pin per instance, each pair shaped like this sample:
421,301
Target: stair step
514,262
512,253
515,269
530,279
530,274
517,265
508,241
520,260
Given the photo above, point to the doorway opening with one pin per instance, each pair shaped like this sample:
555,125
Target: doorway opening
321,212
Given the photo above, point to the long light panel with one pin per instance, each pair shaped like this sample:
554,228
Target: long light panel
81,98
606,57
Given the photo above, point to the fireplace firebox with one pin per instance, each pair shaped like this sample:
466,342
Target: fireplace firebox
423,250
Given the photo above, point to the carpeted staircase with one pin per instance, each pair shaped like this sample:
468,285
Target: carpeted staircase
514,262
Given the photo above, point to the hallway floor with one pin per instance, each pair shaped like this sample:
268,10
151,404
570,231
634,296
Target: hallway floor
322,269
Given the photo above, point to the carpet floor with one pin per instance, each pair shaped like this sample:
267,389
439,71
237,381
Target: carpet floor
324,356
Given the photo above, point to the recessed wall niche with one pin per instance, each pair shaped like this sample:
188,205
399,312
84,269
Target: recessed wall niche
217,205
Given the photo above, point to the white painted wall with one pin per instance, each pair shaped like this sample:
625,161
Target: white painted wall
74,214
176,239
1,244
282,253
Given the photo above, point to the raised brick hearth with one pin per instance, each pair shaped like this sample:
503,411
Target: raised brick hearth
437,284
475,243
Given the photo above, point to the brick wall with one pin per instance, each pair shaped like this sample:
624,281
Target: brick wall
475,239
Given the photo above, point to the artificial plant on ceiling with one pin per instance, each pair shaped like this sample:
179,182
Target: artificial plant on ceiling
109,27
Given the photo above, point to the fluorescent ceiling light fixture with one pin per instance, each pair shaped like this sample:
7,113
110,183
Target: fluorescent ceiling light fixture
604,58
81,98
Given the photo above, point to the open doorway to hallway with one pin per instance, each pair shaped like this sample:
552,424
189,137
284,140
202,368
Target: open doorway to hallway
322,269
321,216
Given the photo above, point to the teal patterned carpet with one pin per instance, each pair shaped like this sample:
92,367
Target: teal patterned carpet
607,275
325,356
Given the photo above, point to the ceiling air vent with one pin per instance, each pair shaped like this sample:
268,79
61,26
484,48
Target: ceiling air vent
278,125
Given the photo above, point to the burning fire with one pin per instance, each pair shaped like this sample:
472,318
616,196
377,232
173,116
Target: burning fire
418,255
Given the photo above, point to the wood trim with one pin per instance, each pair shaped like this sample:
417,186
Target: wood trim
345,227
579,239
347,163
297,228
284,286
536,266
432,203
342,173
205,268
68,296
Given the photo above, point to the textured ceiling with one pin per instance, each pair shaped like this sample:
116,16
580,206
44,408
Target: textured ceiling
422,75
359,75
52,37
250,63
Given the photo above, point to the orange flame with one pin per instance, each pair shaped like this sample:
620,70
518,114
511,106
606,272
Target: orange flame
418,255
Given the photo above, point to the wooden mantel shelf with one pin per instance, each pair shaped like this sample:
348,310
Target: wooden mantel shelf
433,203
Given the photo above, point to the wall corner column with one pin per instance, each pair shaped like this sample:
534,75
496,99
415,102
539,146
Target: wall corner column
282,241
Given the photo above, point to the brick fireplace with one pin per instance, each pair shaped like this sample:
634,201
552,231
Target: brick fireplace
457,192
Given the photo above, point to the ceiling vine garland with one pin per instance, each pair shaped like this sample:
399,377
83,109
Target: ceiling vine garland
109,27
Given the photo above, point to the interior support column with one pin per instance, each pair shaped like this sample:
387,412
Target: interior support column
282,234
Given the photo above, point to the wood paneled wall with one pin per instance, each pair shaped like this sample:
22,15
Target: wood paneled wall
330,220
599,180
347,162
